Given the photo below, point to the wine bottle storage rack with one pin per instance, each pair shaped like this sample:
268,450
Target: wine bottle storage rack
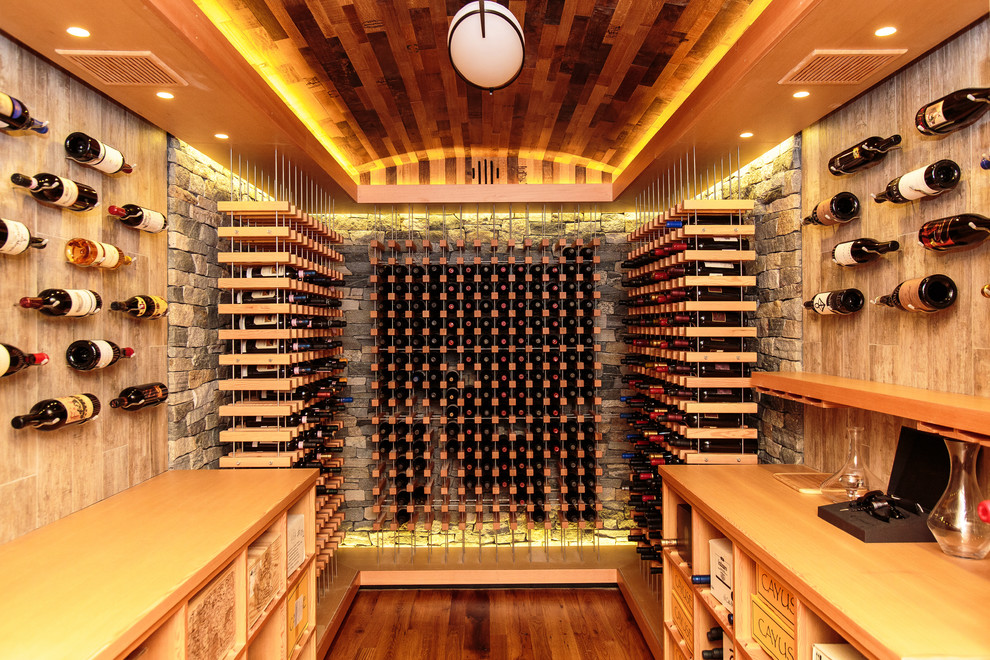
278,235
656,439
475,479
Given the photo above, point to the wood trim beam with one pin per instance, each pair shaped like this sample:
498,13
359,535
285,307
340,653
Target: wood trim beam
466,193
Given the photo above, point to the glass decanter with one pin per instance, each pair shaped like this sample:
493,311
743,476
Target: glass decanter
853,479
955,521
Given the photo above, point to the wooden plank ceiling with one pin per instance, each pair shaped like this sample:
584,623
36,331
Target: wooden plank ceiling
376,78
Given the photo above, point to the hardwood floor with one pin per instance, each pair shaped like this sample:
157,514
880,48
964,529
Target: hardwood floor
489,623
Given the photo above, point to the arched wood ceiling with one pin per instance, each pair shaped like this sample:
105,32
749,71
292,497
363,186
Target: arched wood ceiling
376,78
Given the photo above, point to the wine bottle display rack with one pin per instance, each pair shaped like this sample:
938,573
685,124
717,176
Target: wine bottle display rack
485,386
286,383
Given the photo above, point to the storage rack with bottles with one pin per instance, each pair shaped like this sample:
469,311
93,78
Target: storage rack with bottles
669,367
462,395
273,396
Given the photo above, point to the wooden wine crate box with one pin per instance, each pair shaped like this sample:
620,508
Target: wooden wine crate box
296,534
776,594
684,622
771,632
211,621
265,572
297,608
720,562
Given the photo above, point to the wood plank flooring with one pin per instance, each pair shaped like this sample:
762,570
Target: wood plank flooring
489,623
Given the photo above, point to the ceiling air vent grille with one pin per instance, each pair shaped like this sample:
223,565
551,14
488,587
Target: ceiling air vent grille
485,171
124,67
839,67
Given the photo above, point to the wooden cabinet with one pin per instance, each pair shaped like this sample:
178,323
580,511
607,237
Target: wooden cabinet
167,569
811,582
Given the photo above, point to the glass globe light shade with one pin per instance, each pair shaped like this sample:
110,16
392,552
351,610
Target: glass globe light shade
490,62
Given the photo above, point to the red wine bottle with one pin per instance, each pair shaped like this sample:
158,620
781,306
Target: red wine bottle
91,152
840,209
140,396
841,301
953,111
13,359
861,251
65,302
142,307
955,232
864,154
923,294
138,217
52,414
927,181
55,190
14,116
16,238
89,354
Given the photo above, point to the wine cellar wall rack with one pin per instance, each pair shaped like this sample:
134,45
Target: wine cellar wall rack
287,381
687,365
486,386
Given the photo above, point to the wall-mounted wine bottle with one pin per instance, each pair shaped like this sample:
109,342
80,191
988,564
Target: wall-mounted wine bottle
862,155
840,209
140,396
953,111
923,294
841,301
85,253
955,232
52,414
91,152
13,359
14,116
52,189
89,354
861,251
65,302
142,307
138,217
16,238
928,181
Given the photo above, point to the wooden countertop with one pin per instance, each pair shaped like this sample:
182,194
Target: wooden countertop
89,584
896,600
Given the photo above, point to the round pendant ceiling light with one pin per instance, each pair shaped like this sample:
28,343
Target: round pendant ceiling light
486,45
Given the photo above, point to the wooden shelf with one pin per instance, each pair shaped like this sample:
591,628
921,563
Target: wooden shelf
695,306
277,212
693,231
693,255
694,280
960,416
275,259
691,331
282,283
277,236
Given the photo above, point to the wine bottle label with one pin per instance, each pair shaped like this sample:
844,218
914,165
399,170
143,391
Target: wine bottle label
842,254
912,185
934,117
151,307
109,161
908,296
937,234
261,370
272,271
823,213
70,193
4,359
6,107
82,302
151,221
110,258
77,408
104,352
262,345
820,303
18,237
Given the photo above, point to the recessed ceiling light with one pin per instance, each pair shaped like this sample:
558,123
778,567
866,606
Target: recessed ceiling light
165,95
78,31
747,134
221,136
801,95
885,31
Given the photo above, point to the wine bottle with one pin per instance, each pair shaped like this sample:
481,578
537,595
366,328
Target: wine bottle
140,396
14,116
52,189
862,155
85,253
953,111
65,302
138,217
711,654
142,307
13,359
923,294
928,181
954,232
91,152
52,414
861,251
89,354
840,209
840,301
16,238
